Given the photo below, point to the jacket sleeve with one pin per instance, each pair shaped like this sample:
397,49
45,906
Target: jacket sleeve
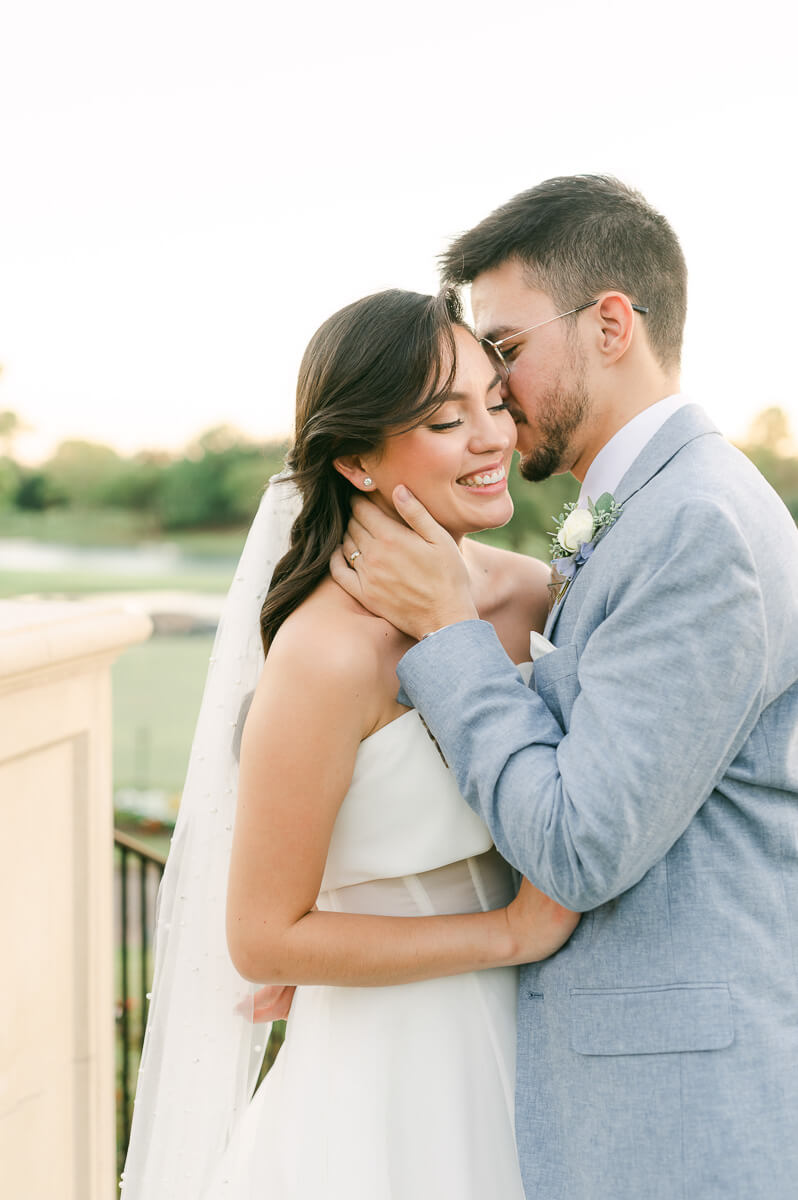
669,687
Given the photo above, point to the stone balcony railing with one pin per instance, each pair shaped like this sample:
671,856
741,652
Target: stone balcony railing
56,902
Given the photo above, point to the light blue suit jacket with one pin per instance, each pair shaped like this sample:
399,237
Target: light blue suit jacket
649,778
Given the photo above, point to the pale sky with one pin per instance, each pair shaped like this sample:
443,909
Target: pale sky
188,189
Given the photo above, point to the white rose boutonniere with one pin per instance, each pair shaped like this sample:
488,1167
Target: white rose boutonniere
576,533
577,528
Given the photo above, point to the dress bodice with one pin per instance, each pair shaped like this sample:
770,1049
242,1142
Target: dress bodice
402,813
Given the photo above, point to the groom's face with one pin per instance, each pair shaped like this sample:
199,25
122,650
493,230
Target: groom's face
546,389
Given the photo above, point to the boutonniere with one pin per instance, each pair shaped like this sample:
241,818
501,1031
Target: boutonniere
577,532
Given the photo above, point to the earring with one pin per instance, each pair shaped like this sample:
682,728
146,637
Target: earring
367,482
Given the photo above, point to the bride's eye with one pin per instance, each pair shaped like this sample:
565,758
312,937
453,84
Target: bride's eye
445,425
499,408
442,411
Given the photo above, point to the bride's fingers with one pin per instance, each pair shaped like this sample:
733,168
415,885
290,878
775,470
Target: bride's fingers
358,533
415,514
350,547
372,519
343,574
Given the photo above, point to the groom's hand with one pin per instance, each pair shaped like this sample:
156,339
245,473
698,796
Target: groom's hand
413,577
270,1003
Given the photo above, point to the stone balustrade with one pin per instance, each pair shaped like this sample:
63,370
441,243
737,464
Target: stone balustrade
56,902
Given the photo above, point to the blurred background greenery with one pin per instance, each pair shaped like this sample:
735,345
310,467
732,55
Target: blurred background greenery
168,529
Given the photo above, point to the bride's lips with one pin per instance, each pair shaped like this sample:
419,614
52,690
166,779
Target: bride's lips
486,481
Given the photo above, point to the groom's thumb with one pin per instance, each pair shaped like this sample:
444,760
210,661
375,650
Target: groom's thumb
415,514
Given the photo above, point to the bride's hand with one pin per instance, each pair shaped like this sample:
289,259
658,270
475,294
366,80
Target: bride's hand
539,925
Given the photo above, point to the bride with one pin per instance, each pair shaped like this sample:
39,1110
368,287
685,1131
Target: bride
352,866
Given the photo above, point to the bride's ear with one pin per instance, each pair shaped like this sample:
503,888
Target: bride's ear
351,466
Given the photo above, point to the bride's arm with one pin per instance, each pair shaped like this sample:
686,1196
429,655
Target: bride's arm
311,709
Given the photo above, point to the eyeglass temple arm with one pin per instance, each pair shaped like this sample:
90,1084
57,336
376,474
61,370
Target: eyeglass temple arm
641,308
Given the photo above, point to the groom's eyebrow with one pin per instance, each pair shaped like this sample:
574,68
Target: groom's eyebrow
496,335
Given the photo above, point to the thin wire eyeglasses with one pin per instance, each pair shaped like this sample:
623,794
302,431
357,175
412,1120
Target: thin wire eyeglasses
497,358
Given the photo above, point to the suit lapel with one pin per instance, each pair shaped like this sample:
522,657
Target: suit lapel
687,424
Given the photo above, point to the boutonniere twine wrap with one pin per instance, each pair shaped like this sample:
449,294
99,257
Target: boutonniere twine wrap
576,534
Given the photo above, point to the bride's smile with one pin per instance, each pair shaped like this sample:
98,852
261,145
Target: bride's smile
488,477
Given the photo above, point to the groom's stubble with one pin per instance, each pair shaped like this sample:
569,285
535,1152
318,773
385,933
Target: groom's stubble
559,414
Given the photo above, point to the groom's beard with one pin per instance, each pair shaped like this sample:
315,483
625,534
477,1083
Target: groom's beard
559,415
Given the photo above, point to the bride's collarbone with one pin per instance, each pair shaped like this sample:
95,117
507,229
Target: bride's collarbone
510,592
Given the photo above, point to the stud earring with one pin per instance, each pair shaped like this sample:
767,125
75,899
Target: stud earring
367,482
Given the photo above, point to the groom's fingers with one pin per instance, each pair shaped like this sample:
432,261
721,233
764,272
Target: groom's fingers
415,514
272,1003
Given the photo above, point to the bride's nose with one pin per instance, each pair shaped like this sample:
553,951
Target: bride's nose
492,432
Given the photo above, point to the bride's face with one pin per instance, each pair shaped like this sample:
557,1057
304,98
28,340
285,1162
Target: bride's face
458,461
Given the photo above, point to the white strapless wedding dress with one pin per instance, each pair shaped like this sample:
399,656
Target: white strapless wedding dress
404,1092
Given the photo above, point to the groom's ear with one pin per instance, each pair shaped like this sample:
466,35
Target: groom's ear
352,467
614,325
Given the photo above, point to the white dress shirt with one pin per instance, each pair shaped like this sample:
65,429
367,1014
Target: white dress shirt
616,457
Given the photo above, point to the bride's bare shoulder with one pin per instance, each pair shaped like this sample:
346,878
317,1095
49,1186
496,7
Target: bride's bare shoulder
329,632
323,673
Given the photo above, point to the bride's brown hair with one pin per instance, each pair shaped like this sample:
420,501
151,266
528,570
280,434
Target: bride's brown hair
378,367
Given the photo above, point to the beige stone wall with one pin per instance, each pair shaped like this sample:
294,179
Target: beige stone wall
56,901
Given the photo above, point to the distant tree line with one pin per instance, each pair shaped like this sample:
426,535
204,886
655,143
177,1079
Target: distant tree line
216,482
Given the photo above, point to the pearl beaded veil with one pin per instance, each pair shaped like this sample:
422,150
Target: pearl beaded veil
202,1053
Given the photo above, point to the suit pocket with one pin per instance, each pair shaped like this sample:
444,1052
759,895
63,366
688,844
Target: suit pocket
555,680
670,1019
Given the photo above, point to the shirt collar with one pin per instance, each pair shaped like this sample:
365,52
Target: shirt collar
616,457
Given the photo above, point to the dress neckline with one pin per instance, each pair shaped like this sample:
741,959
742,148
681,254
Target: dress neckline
411,712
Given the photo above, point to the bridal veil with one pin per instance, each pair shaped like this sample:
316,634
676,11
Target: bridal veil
202,1053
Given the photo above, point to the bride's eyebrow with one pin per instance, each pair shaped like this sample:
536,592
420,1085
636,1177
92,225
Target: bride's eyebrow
461,396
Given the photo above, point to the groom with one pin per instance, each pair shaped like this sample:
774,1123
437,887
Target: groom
649,775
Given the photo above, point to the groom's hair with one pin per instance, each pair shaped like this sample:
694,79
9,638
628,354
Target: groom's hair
578,235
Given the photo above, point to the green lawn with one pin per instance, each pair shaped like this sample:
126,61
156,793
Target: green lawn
157,691
77,583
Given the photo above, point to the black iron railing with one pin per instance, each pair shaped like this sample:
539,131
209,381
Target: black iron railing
138,869
137,873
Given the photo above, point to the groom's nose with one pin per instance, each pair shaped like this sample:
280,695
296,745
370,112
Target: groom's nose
513,407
